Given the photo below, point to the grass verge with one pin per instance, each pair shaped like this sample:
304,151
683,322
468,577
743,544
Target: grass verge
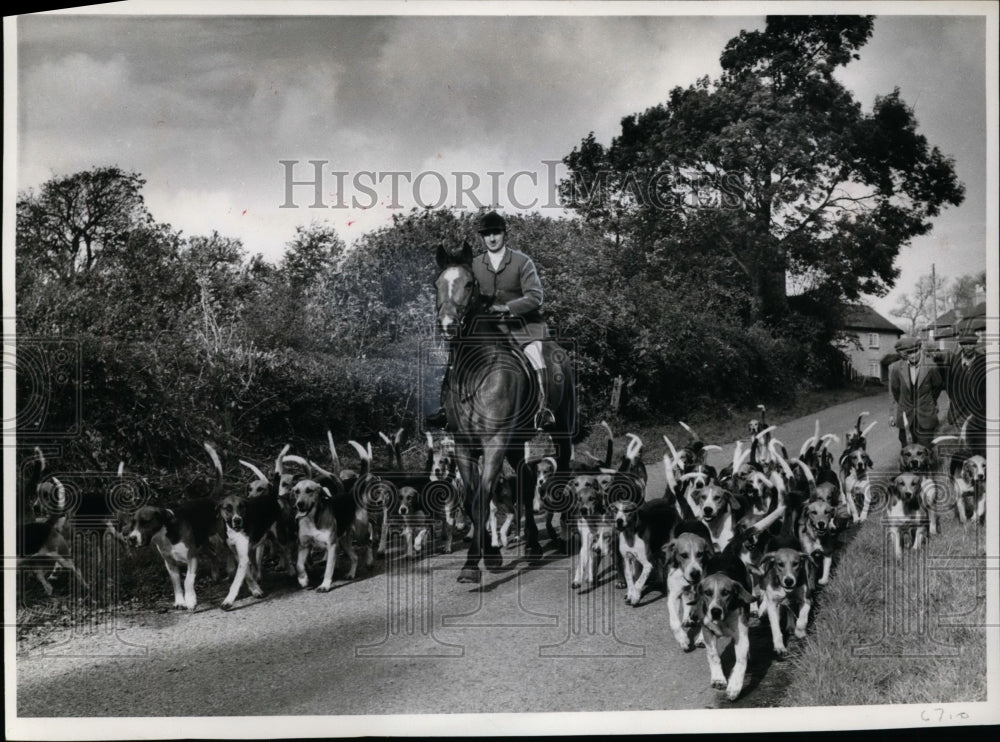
912,632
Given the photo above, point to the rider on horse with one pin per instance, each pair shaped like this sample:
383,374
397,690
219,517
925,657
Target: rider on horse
510,278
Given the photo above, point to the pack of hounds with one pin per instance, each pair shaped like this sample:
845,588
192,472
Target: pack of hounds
754,538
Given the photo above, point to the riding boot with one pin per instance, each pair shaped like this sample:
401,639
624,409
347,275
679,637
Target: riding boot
544,417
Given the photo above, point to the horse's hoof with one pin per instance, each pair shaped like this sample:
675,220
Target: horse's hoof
493,560
470,575
534,551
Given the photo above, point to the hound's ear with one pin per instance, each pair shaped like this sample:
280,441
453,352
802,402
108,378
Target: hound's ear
670,554
766,563
741,594
868,460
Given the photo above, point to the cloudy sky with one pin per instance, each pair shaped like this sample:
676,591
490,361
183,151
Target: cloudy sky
206,108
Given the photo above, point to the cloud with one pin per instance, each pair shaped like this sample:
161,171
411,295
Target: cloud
205,107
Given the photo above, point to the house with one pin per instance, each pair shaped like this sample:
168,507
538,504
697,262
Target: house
945,330
868,342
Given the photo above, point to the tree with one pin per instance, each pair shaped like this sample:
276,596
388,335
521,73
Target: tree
920,304
962,292
73,220
798,181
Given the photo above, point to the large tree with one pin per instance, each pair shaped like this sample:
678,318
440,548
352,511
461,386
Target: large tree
778,161
71,221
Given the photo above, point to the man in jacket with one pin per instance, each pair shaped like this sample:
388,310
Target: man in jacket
510,278
965,382
915,384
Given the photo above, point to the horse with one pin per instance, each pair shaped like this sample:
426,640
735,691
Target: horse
490,399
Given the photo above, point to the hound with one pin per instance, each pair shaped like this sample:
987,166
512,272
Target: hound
915,457
818,533
969,481
41,543
324,520
415,518
757,425
376,497
442,466
855,440
920,459
182,535
789,581
724,603
967,471
643,529
857,464
283,533
714,506
687,556
593,528
545,472
249,522
907,511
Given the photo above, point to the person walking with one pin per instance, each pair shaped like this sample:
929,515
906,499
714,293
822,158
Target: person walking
915,384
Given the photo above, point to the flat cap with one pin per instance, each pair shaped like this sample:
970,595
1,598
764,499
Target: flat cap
907,343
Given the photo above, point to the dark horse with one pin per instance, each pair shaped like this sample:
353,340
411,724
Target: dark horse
491,399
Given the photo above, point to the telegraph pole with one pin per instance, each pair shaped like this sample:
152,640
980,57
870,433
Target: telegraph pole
934,326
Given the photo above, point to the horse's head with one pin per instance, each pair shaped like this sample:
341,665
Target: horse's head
457,289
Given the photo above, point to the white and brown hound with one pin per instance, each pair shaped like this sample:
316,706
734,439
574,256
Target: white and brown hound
182,535
442,466
857,485
788,581
713,505
908,510
249,523
592,526
725,598
818,533
687,556
967,471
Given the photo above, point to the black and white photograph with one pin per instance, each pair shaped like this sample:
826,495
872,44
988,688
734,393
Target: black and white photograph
500,368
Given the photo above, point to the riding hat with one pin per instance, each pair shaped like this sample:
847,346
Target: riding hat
968,339
492,221
907,343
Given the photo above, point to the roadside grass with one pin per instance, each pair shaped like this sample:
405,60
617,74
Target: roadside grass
888,634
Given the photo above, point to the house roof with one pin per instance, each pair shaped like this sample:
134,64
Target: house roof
948,324
863,317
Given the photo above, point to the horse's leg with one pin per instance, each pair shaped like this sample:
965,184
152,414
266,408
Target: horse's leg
475,507
526,500
493,455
